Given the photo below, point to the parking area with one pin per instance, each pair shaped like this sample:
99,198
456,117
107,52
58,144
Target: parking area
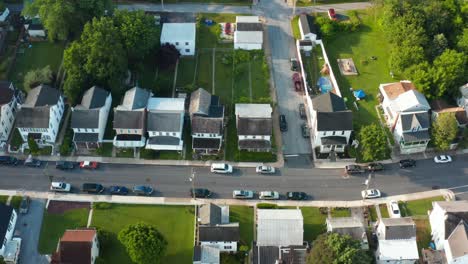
28,227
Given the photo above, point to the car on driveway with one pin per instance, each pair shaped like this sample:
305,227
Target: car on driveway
442,159
24,205
332,14
265,169
8,160
371,193
294,64
305,130
200,193
90,165
32,162
64,165
394,210
118,190
407,163
143,190
375,167
302,111
296,196
283,123
354,169
269,195
242,194
60,187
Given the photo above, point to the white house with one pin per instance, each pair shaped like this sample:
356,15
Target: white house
35,28
206,255
130,119
307,28
89,118
440,106
165,123
462,101
332,123
207,121
181,35
397,241
407,115
4,14
8,106
254,127
280,227
77,246
349,226
249,33
444,217
39,117
8,219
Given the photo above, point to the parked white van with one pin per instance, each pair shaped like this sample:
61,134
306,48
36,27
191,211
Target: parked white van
221,168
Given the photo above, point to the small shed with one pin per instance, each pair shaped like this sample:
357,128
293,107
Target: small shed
307,27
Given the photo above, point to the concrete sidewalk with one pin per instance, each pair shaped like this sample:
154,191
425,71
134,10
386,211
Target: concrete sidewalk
189,201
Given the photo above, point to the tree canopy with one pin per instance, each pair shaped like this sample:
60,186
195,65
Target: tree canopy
373,143
64,18
444,130
144,243
38,76
334,248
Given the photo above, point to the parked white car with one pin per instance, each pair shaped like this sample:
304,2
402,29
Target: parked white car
394,210
221,168
242,194
442,159
269,195
371,193
60,187
264,169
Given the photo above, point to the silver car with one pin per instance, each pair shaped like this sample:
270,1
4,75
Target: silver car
269,195
264,169
242,194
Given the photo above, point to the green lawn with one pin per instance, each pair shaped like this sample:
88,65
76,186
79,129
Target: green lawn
125,153
314,223
223,2
423,233
242,83
418,207
224,76
185,72
105,150
176,223
341,213
38,56
207,36
164,83
244,215
384,210
3,199
295,27
16,201
164,154
260,79
325,2
53,226
360,46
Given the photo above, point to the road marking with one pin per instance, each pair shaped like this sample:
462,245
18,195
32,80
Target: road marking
458,187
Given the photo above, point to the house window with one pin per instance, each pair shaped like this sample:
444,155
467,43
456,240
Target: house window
333,133
186,43
177,43
174,134
342,132
187,50
227,247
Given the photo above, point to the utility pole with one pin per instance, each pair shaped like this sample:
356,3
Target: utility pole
192,179
367,183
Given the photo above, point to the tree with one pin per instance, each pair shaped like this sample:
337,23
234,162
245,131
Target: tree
444,130
167,56
334,248
404,55
39,76
138,33
144,243
449,72
462,43
373,143
33,147
439,44
63,18
421,75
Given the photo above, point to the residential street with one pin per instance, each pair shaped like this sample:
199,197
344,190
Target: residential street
171,181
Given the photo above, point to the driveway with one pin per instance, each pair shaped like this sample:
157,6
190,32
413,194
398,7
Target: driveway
29,227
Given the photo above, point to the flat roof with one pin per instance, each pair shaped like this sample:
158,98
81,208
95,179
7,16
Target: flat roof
166,104
254,110
178,31
284,214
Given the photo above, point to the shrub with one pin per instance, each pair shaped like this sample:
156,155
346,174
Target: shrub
267,206
102,206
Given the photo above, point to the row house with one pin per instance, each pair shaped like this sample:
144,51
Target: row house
254,127
9,99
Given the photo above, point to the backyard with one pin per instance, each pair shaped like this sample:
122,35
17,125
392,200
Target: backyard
314,223
244,215
178,232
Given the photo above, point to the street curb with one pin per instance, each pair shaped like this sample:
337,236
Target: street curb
189,201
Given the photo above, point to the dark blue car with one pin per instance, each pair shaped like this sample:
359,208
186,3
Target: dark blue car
118,190
143,190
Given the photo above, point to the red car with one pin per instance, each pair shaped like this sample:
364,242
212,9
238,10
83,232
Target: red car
91,165
332,14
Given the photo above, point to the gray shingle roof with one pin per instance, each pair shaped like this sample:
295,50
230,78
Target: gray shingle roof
307,24
207,125
37,117
206,143
85,118
129,119
328,102
414,120
334,121
168,122
265,255
254,126
243,26
399,228
42,95
135,98
219,233
416,136
210,214
200,101
452,220
94,97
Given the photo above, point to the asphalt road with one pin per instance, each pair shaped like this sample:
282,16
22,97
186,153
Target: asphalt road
320,184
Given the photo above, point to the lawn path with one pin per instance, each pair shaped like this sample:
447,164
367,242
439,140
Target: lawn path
90,216
250,81
213,71
175,79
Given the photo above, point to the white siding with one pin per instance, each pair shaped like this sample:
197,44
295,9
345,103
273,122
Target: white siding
9,233
223,246
7,119
103,116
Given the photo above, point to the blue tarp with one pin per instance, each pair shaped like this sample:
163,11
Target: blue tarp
359,94
209,22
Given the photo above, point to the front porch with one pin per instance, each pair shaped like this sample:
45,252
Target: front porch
335,144
129,141
86,140
414,142
206,145
165,143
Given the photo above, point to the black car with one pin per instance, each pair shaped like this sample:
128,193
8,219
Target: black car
302,111
200,193
64,165
31,162
119,190
294,64
407,163
305,130
296,196
24,206
143,190
8,160
375,167
283,123
92,188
